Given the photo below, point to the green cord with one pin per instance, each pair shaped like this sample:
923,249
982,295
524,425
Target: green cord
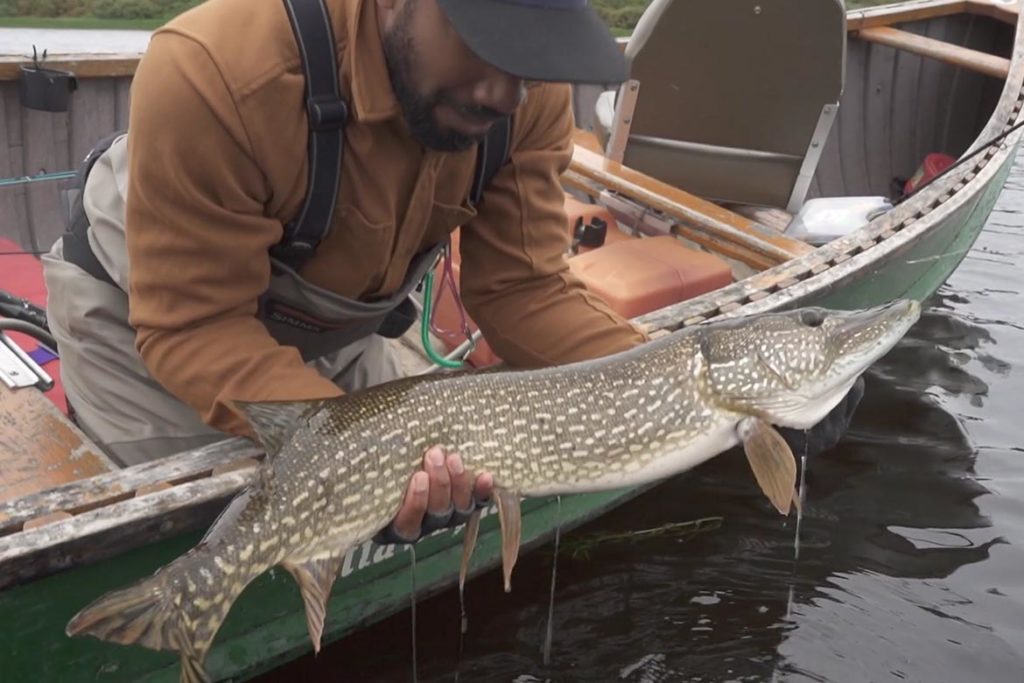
428,284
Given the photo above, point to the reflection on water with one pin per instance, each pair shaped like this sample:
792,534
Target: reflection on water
910,565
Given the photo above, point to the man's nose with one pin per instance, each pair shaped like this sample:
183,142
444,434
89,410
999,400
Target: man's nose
499,91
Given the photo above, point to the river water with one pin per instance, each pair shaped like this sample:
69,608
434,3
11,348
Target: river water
911,562
19,41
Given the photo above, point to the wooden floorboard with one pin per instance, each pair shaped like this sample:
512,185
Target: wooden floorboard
39,447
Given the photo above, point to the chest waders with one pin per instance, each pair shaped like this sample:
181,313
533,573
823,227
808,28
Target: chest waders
294,311
116,401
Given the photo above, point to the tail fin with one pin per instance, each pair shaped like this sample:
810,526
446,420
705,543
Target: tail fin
143,614
171,610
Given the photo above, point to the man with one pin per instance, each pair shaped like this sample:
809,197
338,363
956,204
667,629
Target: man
196,312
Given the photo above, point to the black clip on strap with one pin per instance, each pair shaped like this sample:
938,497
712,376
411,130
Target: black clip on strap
491,154
327,113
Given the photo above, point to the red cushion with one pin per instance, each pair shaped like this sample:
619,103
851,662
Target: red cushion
22,276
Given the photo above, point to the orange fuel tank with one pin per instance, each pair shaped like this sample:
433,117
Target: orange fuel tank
637,276
633,275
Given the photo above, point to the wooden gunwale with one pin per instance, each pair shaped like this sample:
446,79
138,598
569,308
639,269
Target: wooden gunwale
887,15
83,66
101,513
1004,12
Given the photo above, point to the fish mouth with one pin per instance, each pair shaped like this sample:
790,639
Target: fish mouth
867,335
895,318
860,339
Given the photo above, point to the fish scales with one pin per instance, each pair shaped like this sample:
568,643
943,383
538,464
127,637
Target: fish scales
337,470
524,446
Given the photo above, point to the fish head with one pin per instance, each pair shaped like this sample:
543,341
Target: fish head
791,368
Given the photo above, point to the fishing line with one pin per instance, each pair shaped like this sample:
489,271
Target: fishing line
412,566
997,139
554,574
801,496
936,257
463,627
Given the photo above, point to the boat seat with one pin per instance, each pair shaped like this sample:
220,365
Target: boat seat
731,100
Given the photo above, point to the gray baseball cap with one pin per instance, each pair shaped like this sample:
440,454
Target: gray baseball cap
540,40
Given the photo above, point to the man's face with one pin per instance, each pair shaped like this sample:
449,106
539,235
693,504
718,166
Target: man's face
449,96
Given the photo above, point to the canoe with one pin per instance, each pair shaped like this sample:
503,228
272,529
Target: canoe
920,77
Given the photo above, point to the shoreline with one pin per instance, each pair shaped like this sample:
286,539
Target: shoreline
20,41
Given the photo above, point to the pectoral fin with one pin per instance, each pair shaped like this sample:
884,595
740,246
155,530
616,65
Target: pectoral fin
510,516
772,462
472,531
315,578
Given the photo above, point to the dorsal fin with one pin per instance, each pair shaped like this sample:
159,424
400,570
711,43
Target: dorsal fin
276,421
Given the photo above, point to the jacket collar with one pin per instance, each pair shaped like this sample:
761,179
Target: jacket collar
364,66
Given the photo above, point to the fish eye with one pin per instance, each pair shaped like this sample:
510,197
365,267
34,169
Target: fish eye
812,317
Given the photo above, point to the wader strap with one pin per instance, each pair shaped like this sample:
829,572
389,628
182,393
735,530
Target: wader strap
491,155
399,320
77,249
328,113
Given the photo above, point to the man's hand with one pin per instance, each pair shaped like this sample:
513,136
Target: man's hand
442,495
827,433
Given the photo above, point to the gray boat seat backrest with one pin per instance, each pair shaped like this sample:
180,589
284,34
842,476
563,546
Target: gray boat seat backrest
731,93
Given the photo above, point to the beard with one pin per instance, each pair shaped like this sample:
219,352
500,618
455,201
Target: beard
418,108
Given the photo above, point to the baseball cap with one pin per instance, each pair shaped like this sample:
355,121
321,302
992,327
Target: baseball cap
539,40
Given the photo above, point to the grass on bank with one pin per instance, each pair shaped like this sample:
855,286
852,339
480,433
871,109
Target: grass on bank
621,12
83,22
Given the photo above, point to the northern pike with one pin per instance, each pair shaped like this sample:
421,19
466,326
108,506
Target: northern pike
336,471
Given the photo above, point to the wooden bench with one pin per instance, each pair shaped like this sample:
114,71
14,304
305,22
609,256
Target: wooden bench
966,58
700,221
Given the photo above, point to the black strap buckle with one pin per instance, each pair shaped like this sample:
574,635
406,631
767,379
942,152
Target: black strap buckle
294,253
326,113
